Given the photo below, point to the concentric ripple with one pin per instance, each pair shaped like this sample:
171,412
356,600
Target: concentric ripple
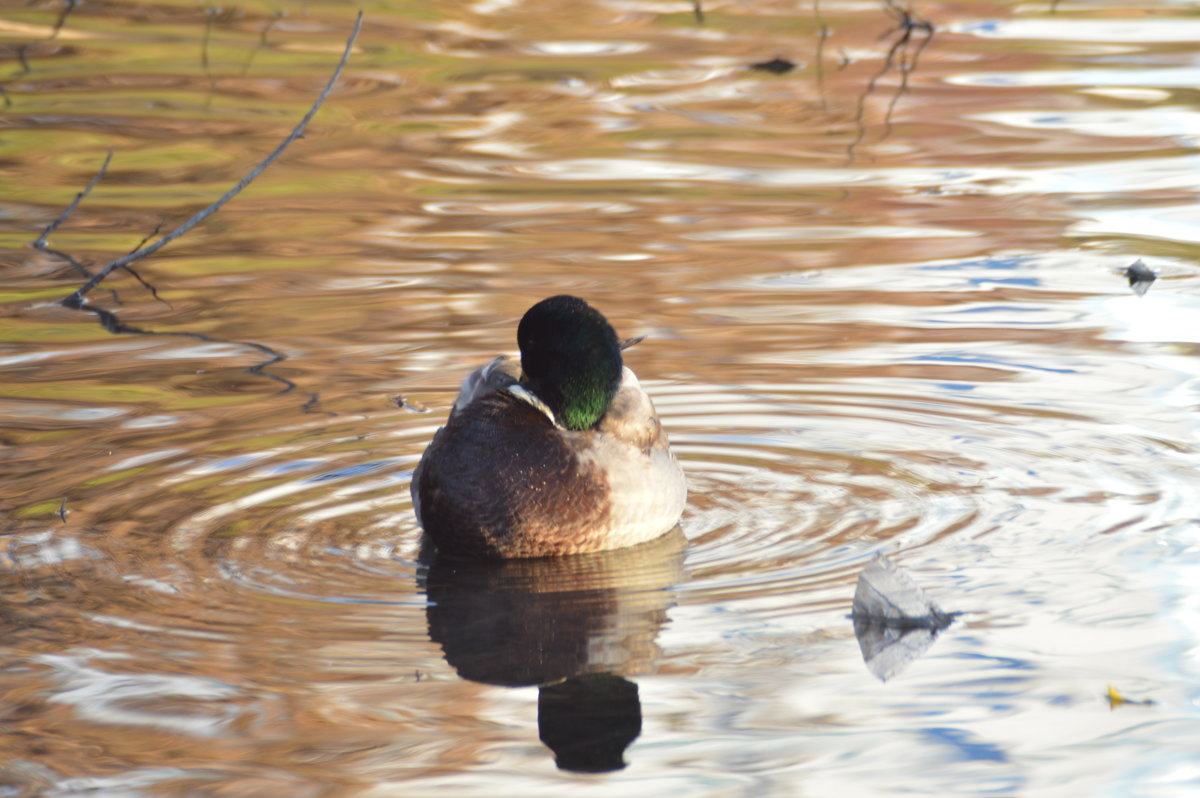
788,485
791,487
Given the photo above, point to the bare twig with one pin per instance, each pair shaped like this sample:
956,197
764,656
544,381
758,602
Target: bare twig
62,18
62,217
209,18
906,65
137,275
114,325
79,267
262,40
75,300
42,244
157,229
906,23
109,321
148,286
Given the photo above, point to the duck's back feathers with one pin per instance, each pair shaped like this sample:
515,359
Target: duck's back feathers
500,373
500,480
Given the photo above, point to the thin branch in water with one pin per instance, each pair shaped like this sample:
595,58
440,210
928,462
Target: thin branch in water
148,286
906,66
262,40
41,244
62,510
138,276
698,11
79,267
75,300
148,236
62,217
109,321
62,17
906,22
23,60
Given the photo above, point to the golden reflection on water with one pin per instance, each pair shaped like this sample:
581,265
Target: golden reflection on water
884,310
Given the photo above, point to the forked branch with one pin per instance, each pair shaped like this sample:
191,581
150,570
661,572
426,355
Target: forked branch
75,300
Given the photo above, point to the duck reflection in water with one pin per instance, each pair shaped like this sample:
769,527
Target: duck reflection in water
574,626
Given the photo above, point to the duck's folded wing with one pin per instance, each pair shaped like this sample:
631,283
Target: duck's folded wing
497,375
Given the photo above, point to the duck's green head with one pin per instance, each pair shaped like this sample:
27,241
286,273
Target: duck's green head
570,359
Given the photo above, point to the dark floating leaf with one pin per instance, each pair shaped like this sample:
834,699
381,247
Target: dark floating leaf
412,407
894,621
1140,277
776,66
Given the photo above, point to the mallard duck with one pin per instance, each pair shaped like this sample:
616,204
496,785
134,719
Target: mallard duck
562,455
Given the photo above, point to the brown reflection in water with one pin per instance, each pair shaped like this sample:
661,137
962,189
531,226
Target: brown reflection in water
571,625
589,721
535,621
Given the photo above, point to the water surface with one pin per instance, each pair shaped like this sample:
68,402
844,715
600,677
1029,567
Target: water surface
885,311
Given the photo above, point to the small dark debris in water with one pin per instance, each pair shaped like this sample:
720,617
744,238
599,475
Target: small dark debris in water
62,510
1140,277
310,406
776,66
1115,699
412,407
894,621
